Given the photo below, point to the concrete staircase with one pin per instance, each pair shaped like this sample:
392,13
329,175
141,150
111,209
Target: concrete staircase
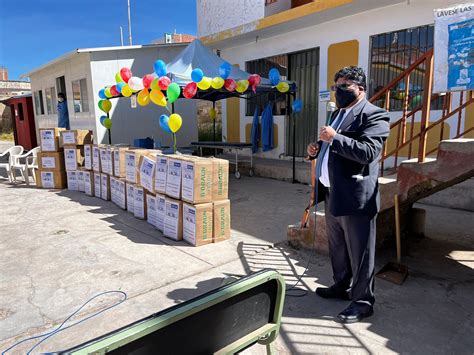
414,181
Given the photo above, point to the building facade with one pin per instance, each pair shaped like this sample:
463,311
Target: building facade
9,88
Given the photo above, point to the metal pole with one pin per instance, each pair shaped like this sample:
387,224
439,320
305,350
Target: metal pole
121,36
129,25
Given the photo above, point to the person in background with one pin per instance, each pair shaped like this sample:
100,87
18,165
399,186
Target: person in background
63,114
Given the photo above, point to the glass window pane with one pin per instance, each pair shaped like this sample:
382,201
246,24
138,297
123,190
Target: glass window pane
41,103
37,103
54,100
49,109
76,94
84,97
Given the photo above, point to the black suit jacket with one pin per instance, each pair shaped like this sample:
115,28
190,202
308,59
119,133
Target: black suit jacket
353,161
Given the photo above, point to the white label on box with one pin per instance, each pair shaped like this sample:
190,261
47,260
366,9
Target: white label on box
97,184
173,178
69,138
160,212
139,202
189,224
130,167
47,179
48,163
72,180
131,198
47,140
96,159
80,181
108,155
87,183
116,162
87,157
147,169
113,196
121,193
161,170
70,159
171,223
103,161
104,189
152,215
188,181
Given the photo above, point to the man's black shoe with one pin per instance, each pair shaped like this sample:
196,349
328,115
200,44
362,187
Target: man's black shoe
355,312
333,292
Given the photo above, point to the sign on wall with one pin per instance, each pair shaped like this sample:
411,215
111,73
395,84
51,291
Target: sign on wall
454,48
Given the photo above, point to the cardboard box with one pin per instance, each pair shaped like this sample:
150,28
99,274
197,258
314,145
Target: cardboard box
151,212
96,158
130,197
73,158
220,179
173,177
147,172
161,170
97,185
196,180
49,139
80,180
88,156
139,204
221,221
160,211
105,187
132,160
72,183
51,161
89,183
113,190
118,157
75,137
198,223
121,193
173,223
51,179
104,163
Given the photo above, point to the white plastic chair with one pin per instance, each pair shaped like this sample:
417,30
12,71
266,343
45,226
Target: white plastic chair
13,151
30,164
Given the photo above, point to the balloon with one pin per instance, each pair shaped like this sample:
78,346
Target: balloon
197,75
164,123
108,92
143,97
126,91
230,85
135,83
126,74
212,113
190,90
102,94
174,122
164,82
224,70
155,84
297,106
242,86
118,78
107,123
173,92
157,97
254,80
416,101
147,79
119,86
283,86
114,91
160,67
205,83
105,105
102,118
274,76
217,83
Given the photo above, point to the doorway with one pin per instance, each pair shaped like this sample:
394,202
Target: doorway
61,86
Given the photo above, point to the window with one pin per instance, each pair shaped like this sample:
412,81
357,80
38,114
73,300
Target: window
79,93
51,107
393,52
20,112
39,102
262,67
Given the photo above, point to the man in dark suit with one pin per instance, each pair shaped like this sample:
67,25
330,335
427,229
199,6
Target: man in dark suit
349,150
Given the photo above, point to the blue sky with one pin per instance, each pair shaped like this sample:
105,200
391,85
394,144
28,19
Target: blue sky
34,32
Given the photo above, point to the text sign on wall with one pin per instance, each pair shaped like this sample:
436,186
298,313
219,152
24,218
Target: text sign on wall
454,48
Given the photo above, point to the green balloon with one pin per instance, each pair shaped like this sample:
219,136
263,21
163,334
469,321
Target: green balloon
173,92
107,123
416,101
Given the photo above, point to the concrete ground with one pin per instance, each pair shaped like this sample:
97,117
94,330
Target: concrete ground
59,248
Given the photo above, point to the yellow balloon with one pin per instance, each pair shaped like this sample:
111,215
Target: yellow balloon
283,86
175,121
143,97
242,86
154,84
126,91
205,83
212,113
106,106
217,83
158,98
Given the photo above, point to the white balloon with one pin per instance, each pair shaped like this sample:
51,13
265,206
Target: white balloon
135,83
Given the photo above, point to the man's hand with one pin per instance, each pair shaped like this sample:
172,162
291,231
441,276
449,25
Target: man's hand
312,149
326,134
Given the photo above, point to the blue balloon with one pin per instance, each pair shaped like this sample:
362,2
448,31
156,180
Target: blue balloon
102,118
224,70
297,106
197,75
102,94
119,86
274,76
164,124
160,68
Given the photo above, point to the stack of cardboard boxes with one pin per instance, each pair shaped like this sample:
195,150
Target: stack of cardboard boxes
51,173
73,143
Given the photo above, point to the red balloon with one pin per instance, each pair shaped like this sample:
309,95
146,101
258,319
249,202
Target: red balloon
230,85
254,80
190,90
164,82
126,74
147,79
114,91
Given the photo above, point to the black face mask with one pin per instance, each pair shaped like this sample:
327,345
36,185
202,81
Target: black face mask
345,97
